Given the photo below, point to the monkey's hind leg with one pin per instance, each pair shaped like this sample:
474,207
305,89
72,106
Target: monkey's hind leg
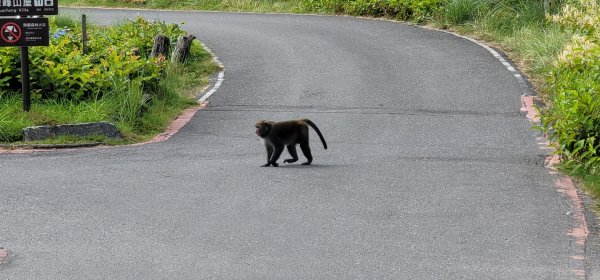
292,150
306,151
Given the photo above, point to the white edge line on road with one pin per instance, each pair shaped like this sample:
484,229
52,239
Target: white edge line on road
563,184
525,88
220,77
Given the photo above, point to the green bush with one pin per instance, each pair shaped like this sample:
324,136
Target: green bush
9,57
322,6
401,9
572,117
461,11
115,56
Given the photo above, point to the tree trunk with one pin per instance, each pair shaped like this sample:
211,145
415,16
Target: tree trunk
182,48
160,46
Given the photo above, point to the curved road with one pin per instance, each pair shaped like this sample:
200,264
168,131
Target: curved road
432,171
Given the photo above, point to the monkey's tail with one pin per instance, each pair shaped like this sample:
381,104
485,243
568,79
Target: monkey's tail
314,126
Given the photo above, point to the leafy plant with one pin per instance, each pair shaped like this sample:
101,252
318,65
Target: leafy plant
417,10
62,71
572,117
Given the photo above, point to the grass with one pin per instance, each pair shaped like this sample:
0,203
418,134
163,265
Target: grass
208,5
590,181
461,11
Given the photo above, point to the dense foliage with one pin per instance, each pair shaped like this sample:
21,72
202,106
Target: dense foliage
115,56
400,9
452,11
572,117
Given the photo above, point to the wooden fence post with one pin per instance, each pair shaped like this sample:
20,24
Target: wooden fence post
160,46
182,48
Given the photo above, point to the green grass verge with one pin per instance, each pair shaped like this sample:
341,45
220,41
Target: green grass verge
208,5
589,180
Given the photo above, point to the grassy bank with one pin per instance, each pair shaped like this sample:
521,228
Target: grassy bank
207,5
114,81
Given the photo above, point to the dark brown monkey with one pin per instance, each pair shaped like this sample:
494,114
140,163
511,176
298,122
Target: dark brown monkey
277,135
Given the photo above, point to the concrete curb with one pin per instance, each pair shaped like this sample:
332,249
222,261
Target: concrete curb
36,133
49,146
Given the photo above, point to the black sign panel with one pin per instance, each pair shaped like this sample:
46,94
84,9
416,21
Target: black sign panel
24,32
28,7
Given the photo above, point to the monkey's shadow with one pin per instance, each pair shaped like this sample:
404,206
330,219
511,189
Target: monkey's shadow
311,166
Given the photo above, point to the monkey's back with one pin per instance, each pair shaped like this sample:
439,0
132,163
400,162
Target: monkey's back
290,132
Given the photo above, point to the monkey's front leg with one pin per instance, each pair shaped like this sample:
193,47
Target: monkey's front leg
269,154
276,154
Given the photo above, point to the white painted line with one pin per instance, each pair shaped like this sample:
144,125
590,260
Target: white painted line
220,76
214,89
526,90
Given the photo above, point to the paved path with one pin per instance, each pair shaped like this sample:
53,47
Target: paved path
432,171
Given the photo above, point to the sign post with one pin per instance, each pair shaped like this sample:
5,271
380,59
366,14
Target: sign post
25,79
25,29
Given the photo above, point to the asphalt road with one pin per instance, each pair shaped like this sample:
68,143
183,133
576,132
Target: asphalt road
432,171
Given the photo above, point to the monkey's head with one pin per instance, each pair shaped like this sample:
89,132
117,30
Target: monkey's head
262,128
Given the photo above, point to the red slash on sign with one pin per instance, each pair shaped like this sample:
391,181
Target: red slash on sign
11,32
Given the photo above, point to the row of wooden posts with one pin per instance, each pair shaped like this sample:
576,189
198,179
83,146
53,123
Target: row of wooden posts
161,46
182,48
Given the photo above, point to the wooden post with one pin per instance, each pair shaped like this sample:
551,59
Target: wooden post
160,46
182,48
84,33
25,78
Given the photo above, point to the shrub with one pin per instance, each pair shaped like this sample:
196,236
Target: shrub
417,10
8,65
115,55
323,6
461,11
572,117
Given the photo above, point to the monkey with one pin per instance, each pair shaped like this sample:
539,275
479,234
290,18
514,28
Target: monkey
277,135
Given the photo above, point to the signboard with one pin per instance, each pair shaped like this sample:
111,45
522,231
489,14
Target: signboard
28,7
24,32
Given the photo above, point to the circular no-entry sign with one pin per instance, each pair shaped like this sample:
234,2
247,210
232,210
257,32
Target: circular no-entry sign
10,32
